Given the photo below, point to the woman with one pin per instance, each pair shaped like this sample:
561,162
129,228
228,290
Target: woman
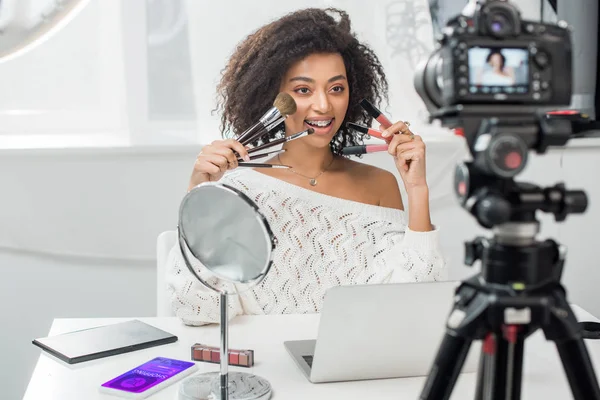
496,74
347,226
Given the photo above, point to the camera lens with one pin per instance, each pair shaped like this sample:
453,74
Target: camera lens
428,80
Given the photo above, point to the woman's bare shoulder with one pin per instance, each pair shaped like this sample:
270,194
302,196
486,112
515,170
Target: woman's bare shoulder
362,170
379,182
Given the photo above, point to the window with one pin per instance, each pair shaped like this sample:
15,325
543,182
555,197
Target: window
70,85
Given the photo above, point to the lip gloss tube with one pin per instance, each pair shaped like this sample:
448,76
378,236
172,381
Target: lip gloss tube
368,131
364,149
375,113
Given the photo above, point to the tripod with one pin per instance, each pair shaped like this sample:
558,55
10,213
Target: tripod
517,291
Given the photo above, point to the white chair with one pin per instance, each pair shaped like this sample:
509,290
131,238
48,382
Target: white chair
165,242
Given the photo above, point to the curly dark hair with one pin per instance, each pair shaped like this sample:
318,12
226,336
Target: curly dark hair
252,77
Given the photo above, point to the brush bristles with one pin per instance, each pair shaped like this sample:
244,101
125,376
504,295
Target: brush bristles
285,104
310,131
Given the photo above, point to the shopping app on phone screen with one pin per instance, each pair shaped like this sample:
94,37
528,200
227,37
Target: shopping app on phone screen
148,375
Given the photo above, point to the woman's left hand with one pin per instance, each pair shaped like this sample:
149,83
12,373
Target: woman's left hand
409,154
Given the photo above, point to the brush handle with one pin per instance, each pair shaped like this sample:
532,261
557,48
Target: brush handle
262,155
259,132
272,143
248,133
265,130
261,165
279,141
245,143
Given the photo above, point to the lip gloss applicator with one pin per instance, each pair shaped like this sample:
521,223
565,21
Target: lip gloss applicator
375,113
379,116
369,131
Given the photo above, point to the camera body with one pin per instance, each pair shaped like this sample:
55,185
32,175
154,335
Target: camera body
491,75
495,57
540,72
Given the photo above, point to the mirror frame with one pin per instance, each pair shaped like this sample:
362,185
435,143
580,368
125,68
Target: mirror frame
183,246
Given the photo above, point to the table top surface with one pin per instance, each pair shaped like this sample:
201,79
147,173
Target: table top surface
543,378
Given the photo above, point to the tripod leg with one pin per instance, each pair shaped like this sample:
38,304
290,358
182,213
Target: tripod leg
514,362
486,372
579,369
562,328
481,370
501,366
465,323
446,367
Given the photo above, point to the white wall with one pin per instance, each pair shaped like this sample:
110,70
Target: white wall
115,202
79,225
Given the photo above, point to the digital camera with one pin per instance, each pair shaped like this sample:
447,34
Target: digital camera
494,57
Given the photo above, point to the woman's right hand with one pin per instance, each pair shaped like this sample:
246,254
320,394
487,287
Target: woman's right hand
215,159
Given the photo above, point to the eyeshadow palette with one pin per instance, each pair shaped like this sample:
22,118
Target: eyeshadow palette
211,354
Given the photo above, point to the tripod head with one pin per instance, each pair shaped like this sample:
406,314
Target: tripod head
485,187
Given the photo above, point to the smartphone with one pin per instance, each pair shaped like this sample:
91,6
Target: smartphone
148,378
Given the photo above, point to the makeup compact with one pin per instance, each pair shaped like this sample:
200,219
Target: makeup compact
211,354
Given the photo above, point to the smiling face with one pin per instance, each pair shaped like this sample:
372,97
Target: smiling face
319,85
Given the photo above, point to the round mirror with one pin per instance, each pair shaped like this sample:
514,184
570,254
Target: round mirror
224,230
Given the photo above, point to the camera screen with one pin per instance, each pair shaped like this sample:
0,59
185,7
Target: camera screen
494,70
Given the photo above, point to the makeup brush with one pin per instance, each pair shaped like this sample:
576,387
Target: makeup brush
283,106
261,155
276,142
262,165
275,123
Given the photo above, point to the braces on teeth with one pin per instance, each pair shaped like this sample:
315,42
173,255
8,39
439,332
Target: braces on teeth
319,123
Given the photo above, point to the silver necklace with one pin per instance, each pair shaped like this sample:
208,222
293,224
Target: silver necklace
311,180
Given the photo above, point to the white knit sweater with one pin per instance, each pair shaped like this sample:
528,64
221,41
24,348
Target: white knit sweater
322,241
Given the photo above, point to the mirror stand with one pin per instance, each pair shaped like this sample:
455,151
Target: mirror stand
223,386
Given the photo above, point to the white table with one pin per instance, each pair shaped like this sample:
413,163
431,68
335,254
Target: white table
544,377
